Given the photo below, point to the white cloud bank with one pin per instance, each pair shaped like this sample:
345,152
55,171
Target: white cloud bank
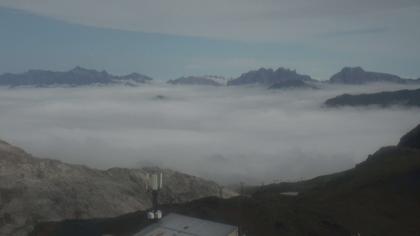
225,134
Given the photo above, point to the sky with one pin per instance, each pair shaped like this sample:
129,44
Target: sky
170,38
226,134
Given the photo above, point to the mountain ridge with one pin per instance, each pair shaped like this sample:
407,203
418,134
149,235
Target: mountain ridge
358,76
408,98
78,76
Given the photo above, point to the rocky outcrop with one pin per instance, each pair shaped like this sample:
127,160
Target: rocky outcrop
268,77
34,190
76,77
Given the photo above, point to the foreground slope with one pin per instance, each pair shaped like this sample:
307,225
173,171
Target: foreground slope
380,196
34,189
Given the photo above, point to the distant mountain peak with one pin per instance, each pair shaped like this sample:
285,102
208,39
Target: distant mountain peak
269,77
357,75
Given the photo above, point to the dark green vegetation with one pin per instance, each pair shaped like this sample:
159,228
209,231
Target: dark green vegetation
383,99
380,196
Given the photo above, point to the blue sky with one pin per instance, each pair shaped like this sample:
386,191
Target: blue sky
192,40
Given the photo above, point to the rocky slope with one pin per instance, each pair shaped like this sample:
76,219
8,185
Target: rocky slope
356,75
34,190
380,196
268,77
383,99
76,77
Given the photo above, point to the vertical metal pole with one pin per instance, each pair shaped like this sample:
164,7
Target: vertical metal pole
155,200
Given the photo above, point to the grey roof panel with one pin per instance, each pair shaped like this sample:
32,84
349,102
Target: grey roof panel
180,225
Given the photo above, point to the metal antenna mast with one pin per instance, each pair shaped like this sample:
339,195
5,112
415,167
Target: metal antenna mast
155,180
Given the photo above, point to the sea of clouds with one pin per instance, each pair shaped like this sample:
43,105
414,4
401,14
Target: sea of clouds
230,135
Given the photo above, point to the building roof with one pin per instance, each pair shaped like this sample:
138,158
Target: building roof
180,225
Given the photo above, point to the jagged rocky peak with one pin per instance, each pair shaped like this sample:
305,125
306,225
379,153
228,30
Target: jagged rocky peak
268,77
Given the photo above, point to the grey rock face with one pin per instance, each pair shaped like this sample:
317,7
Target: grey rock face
34,190
76,77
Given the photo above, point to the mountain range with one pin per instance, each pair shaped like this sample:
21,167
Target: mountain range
279,78
379,196
35,189
77,76
283,78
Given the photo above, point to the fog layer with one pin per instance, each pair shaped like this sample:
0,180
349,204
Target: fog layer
229,135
